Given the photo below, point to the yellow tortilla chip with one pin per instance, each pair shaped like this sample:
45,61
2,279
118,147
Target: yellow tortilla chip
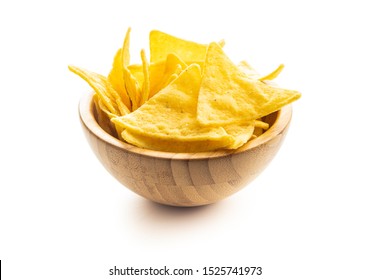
103,116
131,83
227,95
162,76
248,70
272,75
173,145
162,44
109,97
260,128
146,80
137,71
160,73
171,78
240,133
116,79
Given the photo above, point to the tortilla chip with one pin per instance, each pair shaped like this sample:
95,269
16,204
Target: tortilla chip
115,77
240,133
162,44
227,95
272,75
108,96
162,76
173,145
248,70
146,82
132,86
137,71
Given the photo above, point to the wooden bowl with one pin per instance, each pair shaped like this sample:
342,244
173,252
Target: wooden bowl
183,179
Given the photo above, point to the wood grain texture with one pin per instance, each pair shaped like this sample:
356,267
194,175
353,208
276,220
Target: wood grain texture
184,179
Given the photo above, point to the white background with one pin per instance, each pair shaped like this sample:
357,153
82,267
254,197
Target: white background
62,216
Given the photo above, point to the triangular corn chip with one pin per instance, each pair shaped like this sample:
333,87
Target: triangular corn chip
108,96
248,70
131,83
146,81
116,79
162,44
233,97
161,77
240,133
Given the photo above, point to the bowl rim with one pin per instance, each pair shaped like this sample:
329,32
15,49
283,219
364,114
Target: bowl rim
86,114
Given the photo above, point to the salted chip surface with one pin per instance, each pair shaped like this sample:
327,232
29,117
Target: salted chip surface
228,95
171,115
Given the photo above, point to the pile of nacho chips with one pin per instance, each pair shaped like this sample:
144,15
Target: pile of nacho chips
187,97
